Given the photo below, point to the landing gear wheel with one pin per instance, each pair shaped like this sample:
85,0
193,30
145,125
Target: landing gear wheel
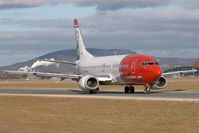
126,89
132,89
147,90
90,91
94,91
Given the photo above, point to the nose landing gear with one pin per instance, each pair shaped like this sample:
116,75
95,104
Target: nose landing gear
147,89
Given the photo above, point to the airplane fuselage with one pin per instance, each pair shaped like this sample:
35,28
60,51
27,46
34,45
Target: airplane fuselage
131,69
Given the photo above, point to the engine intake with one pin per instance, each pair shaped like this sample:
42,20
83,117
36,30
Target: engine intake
88,83
160,83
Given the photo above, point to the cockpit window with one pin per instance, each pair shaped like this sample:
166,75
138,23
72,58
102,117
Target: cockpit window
144,64
149,63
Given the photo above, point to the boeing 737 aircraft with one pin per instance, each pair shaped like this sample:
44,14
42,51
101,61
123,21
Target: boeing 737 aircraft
128,70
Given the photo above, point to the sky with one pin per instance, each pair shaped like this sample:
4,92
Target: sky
161,28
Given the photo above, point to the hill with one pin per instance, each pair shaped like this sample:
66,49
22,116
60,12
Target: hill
69,54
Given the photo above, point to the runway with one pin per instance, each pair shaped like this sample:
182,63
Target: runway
105,94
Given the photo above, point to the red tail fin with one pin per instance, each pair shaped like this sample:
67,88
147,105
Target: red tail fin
75,23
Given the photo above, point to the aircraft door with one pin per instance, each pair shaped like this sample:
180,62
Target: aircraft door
133,67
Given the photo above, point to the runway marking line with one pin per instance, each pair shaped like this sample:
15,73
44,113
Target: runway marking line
106,97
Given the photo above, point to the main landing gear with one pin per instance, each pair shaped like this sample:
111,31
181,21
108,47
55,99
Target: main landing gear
129,89
94,91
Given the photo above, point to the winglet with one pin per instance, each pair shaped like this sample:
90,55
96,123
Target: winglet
76,24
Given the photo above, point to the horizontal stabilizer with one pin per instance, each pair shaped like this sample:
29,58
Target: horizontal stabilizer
62,62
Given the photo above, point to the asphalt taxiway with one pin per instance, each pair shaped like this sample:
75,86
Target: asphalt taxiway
105,94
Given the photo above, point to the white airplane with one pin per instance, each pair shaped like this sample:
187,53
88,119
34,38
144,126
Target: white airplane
129,70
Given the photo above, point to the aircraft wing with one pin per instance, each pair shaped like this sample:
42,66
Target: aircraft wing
40,74
18,72
102,78
179,72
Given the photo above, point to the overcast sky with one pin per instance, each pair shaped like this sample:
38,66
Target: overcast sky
163,28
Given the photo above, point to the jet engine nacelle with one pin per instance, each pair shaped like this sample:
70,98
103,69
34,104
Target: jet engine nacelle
88,83
160,83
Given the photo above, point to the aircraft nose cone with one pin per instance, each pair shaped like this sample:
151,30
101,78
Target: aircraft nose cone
154,74
158,73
